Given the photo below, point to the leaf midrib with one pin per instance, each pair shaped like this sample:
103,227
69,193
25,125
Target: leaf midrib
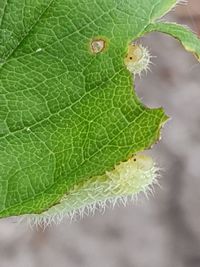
27,34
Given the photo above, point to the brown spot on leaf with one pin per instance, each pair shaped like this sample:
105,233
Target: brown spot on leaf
98,45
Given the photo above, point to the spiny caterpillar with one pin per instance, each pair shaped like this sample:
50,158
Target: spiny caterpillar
137,59
127,179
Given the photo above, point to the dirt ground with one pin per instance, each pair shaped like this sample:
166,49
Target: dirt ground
162,231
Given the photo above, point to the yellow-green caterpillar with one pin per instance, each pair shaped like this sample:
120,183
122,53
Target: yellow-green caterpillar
125,180
137,59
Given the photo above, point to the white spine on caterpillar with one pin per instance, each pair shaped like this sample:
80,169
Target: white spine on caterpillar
137,59
127,179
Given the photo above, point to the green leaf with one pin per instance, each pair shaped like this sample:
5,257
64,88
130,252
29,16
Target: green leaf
66,113
189,40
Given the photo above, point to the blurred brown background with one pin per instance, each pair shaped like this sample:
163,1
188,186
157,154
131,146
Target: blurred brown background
163,231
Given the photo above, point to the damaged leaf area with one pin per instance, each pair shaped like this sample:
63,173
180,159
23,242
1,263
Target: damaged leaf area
69,115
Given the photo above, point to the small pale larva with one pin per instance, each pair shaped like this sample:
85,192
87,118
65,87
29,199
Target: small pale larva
137,59
127,179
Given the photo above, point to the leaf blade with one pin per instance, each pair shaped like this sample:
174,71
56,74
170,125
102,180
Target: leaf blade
184,35
67,114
